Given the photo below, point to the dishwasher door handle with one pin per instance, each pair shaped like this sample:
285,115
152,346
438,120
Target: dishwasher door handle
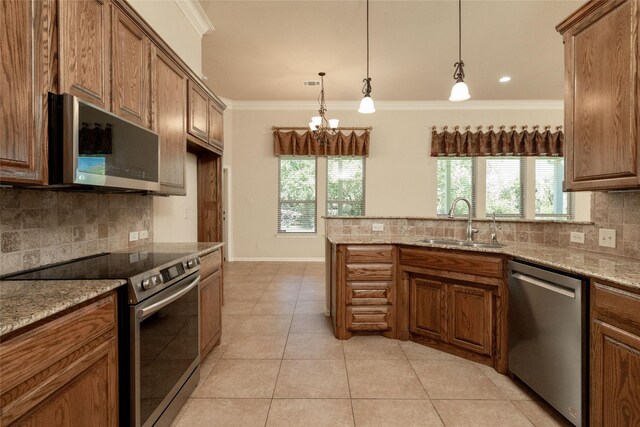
544,284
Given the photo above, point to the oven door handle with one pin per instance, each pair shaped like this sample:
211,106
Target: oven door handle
142,313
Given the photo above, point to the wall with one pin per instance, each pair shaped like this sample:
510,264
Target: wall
43,227
400,174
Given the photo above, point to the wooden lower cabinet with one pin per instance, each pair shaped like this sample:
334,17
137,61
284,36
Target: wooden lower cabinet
615,357
210,302
63,372
428,305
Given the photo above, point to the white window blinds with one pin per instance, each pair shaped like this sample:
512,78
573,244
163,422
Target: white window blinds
505,190
297,195
345,186
551,202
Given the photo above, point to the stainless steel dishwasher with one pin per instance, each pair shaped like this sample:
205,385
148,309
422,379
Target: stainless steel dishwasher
548,337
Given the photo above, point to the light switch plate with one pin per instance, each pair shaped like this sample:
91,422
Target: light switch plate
577,237
144,234
377,227
607,238
133,236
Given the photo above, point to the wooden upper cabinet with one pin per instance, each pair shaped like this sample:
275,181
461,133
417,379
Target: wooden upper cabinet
216,136
84,50
602,94
131,73
198,112
169,110
24,44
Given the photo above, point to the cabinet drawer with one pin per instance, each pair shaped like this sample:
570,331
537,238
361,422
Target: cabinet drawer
369,271
616,303
369,293
373,254
368,318
479,265
210,263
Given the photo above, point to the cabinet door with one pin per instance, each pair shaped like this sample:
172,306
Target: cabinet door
169,90
216,136
428,305
84,34
131,70
23,88
198,112
470,324
210,313
602,96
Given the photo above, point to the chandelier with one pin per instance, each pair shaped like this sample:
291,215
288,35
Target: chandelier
319,125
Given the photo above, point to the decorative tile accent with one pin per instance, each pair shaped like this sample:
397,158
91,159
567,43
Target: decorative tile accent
43,227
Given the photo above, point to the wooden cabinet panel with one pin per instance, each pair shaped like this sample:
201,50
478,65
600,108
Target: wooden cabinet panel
369,254
84,50
468,263
369,293
470,320
210,313
428,305
131,73
169,86
216,135
210,263
369,318
602,92
369,271
198,112
24,48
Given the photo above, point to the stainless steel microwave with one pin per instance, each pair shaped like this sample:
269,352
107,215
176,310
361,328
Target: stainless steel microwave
93,148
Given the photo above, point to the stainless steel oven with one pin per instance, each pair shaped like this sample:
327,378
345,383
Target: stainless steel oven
164,352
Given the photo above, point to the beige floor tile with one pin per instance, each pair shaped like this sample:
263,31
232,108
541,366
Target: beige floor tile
313,346
206,367
415,351
176,420
309,307
279,296
313,295
445,379
385,413
514,390
274,307
284,286
310,413
541,414
313,286
383,379
287,278
225,412
238,307
276,324
480,413
260,277
241,379
256,347
238,294
311,324
312,379
371,347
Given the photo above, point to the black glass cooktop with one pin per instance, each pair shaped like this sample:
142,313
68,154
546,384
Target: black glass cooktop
102,266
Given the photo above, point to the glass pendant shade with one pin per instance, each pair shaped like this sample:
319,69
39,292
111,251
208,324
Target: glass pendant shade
312,126
333,123
366,105
459,92
316,120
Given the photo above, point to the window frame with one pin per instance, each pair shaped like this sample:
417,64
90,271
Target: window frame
340,202
279,230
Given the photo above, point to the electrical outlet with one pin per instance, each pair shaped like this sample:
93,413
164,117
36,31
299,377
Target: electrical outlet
186,213
144,234
607,238
577,237
377,227
133,236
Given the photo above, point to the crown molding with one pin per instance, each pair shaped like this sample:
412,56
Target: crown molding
534,104
196,15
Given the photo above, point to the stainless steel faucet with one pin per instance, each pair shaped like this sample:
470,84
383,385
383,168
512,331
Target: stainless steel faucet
470,230
494,235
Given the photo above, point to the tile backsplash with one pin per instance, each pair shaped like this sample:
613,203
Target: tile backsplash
42,227
618,211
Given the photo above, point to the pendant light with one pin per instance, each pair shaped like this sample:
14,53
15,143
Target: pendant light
460,91
366,105
320,126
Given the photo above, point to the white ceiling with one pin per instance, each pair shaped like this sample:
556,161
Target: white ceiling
264,49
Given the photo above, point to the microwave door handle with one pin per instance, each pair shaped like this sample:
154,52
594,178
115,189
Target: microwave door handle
546,285
143,313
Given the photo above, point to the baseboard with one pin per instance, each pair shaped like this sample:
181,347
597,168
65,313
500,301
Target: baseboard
276,259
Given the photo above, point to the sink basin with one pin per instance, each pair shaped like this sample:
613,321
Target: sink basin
453,242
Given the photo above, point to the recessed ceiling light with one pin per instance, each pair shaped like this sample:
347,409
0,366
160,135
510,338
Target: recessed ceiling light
504,79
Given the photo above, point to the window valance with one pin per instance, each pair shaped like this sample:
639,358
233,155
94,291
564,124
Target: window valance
500,143
292,143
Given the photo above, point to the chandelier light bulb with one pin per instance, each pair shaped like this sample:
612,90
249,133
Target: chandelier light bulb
366,105
316,120
333,123
312,126
459,92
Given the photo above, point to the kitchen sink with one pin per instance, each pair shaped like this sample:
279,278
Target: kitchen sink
454,242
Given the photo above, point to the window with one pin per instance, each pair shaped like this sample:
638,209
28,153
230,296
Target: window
510,187
297,195
455,179
551,202
504,184
345,186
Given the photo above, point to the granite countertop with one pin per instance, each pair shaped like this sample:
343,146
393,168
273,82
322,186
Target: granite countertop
462,218
615,269
28,301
